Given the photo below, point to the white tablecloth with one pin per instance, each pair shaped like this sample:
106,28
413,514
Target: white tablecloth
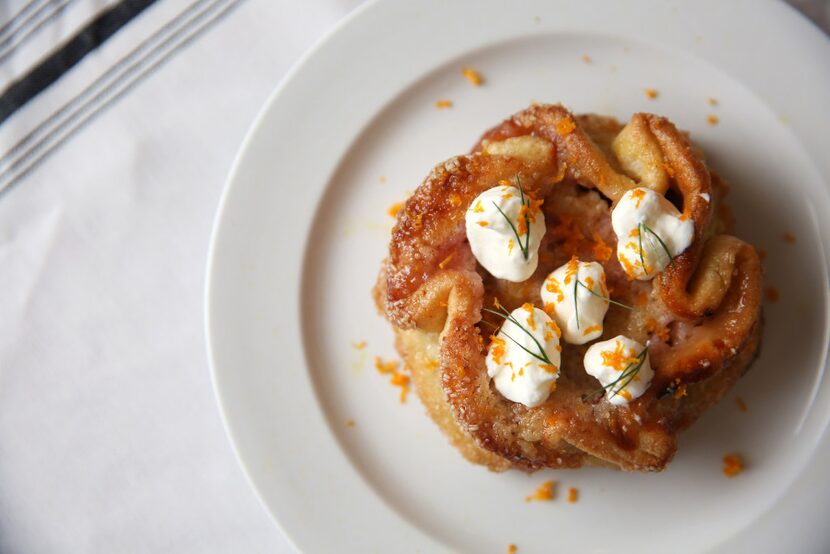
110,439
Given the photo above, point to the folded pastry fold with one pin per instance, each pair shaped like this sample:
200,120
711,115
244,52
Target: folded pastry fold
701,316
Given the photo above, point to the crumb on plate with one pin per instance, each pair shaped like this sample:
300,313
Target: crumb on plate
394,209
651,93
397,378
545,492
573,495
473,76
742,406
732,465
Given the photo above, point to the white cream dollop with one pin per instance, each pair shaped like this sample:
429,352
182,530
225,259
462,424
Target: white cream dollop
519,375
566,294
622,367
642,210
492,239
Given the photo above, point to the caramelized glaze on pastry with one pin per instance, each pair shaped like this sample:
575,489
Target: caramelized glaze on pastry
700,316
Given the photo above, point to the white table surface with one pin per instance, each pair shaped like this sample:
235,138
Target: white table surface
110,438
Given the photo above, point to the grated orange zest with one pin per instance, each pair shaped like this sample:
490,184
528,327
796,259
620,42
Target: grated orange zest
565,127
545,493
473,76
394,209
732,465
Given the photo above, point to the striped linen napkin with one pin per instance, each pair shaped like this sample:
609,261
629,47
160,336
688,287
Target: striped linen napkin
120,120
47,99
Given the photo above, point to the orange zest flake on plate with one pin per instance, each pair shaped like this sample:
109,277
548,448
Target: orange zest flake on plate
712,101
762,254
359,345
772,294
385,367
397,378
712,120
789,237
512,549
732,465
401,380
742,406
545,493
349,423
586,58
651,93
443,104
573,495
565,127
473,76
395,209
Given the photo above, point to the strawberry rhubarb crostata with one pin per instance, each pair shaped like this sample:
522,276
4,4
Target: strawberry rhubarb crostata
570,292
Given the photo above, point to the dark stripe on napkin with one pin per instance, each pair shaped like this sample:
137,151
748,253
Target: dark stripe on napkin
69,54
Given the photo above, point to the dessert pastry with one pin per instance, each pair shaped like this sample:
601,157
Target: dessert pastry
569,293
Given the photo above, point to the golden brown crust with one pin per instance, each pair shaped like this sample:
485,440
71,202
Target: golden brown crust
432,290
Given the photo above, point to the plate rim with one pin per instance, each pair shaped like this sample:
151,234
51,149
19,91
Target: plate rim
254,134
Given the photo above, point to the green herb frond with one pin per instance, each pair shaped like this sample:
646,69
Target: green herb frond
627,375
606,298
644,227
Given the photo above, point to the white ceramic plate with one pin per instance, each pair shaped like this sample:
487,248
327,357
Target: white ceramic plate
303,227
